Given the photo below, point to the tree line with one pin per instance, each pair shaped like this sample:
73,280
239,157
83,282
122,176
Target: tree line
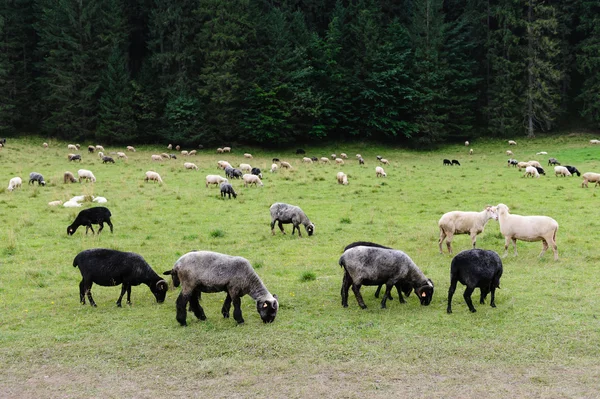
282,72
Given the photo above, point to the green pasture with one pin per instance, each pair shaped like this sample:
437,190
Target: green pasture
542,340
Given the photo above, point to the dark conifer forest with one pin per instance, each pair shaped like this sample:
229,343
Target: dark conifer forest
279,73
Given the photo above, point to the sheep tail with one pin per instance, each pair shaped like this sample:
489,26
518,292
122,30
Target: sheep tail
75,262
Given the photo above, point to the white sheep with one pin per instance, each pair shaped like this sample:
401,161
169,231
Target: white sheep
157,158
532,172
189,165
307,160
177,147
45,145
219,150
99,148
185,153
251,179
100,200
324,159
130,148
244,167
358,156
170,147
590,177
274,168
249,156
343,156
379,172
165,155
100,154
150,175
223,164
522,165
55,203
122,155
339,161
594,141
527,228
215,179
333,156
466,143
86,175
226,149
459,222
534,164
509,153
191,153
512,142
15,182
541,153
72,147
285,165
342,178
72,204
561,170
78,198
384,161
471,151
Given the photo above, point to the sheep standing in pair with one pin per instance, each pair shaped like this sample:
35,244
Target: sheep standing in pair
227,189
108,267
459,222
206,271
368,265
475,268
285,213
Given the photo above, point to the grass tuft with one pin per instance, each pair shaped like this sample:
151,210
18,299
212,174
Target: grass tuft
308,276
217,233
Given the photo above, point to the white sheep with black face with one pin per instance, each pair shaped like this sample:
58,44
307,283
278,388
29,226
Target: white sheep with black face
285,214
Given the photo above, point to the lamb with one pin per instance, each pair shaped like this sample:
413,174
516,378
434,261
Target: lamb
339,161
594,141
459,222
87,217
74,157
36,177
86,175
285,165
384,161
324,159
274,168
512,142
285,213
68,177
590,177
130,148
307,160
257,172
156,158
206,271
91,149
561,170
531,171
45,145
369,265
475,268
455,162
121,155
512,162
379,172
446,162
107,160
573,170
15,182
215,179
227,189
109,267
509,153
251,179
471,151
527,228
249,156
226,149
72,147
189,165
342,178
244,167
153,176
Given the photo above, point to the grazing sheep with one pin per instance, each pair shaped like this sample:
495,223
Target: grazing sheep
156,158
379,157
475,268
285,165
535,163
531,171
573,170
170,147
244,167
87,217
324,159
55,203
227,189
358,156
527,228
74,157
379,172
512,142
15,182
108,267
512,162
121,155
99,148
226,149
274,168
206,271
164,155
219,150
471,151
314,159
233,173
541,153
189,165
257,172
370,265
342,178
153,176
300,151
459,222
215,179
177,147
192,153
594,141
561,170
107,160
466,143
86,175
553,161
72,204
130,148
100,154
307,160
447,162
509,153
45,145
36,177
333,156
540,170
343,156
455,162
249,156
590,177
172,156
285,214
251,179
384,161
184,153
223,165
72,147
275,160
339,161
91,149
361,161
68,177
522,165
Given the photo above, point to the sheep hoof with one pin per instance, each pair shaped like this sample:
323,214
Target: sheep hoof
493,305
473,310
119,304
449,311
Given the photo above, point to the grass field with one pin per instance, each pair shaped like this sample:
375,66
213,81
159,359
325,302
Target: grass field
542,340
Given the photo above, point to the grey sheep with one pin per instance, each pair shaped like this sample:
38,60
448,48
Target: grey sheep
108,160
36,177
206,271
367,265
285,213
227,189
475,268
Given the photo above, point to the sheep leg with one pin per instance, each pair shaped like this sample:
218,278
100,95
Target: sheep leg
281,227
346,282
514,242
441,240
506,241
109,225
123,290
89,295
129,294
467,296
359,298
449,237
273,227
388,290
484,292
180,304
474,239
391,298
101,227
82,292
226,306
195,304
544,247
451,290
237,309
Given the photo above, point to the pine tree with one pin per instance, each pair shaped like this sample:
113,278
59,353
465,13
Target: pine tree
588,61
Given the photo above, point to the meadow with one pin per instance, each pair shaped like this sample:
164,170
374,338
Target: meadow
541,341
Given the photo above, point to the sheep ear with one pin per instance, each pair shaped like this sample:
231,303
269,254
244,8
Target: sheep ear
275,296
168,272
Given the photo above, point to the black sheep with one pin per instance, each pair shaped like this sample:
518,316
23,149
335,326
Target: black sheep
314,159
300,151
108,267
107,160
475,268
75,157
87,217
91,149
256,171
455,162
447,162
227,189
573,170
540,170
275,159
553,161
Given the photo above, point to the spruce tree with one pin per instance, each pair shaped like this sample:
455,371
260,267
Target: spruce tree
588,61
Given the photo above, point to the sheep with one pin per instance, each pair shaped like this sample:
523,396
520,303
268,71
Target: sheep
189,165
153,176
324,159
233,173
244,167
274,168
227,189
286,213
177,147
86,175
156,158
300,151
339,161
78,198
512,142
109,267
455,162
87,217
100,148
471,151
307,160
74,157
68,177
512,162
379,172
446,162
192,153
459,222
170,147
531,171
251,179
553,161
100,154
509,153
333,156
36,177
541,153
15,182
475,268
343,156
590,177
226,149
361,161
219,150
45,145
91,149
466,143
384,161
257,172
594,141
342,178
379,157
72,204
215,179
100,200
249,156
223,164
535,164
285,165
527,228
164,155
108,160
369,265
540,170
121,155
275,160
172,156
55,203
522,165
130,148
206,271
573,170
184,153
72,147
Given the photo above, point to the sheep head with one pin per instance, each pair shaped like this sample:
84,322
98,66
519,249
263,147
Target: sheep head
267,309
160,290
310,229
425,293
492,212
